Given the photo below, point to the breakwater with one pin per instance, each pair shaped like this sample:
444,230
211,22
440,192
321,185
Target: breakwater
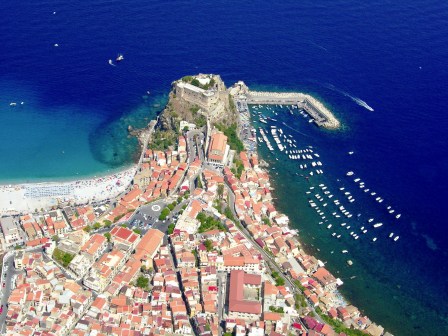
320,114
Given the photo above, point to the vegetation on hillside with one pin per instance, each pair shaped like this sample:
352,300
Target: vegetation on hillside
209,223
232,136
62,257
195,82
162,140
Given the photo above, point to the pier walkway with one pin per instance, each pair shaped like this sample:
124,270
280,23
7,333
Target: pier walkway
320,114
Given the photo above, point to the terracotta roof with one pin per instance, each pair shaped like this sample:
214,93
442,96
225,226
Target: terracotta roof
237,303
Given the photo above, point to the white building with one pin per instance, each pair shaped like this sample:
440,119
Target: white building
11,232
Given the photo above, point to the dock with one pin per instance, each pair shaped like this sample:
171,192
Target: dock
315,109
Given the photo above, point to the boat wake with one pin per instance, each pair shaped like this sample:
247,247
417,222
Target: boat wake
357,100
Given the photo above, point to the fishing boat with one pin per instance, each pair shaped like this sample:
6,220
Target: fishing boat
374,239
396,238
377,225
398,216
119,58
391,235
350,173
344,251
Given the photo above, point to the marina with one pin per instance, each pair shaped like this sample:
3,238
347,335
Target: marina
335,207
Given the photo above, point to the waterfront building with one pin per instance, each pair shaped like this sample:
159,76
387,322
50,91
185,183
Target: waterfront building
11,232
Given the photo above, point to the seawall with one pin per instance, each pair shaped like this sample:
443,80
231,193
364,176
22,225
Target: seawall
320,114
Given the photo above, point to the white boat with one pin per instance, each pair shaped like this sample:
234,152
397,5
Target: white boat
377,225
396,238
344,251
343,224
373,193
391,211
12,104
350,173
119,58
338,236
362,227
329,226
370,220
333,234
398,216
374,239
350,153
357,180
364,231
391,235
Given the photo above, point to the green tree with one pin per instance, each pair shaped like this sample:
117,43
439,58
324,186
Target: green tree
117,218
170,206
62,257
55,238
199,182
107,223
228,213
88,228
108,236
96,226
220,190
279,281
170,229
195,82
137,231
165,212
208,245
142,282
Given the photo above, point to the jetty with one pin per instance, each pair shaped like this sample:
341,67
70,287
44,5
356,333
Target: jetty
314,108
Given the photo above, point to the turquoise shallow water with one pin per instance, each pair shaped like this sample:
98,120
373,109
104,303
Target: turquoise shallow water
59,142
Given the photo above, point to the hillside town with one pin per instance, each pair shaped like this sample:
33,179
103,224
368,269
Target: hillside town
193,246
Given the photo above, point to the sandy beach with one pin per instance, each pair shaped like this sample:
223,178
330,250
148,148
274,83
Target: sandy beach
28,197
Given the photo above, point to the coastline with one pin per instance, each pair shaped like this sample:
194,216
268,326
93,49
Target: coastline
373,327
27,197
17,198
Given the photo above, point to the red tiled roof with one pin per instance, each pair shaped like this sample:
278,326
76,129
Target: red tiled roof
236,295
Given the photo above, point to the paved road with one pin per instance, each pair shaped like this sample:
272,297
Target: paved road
222,288
272,264
195,142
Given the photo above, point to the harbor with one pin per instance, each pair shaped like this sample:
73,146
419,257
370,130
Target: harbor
321,116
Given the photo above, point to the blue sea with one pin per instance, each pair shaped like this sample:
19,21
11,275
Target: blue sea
390,54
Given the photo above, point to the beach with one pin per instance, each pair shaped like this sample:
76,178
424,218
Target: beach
27,197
